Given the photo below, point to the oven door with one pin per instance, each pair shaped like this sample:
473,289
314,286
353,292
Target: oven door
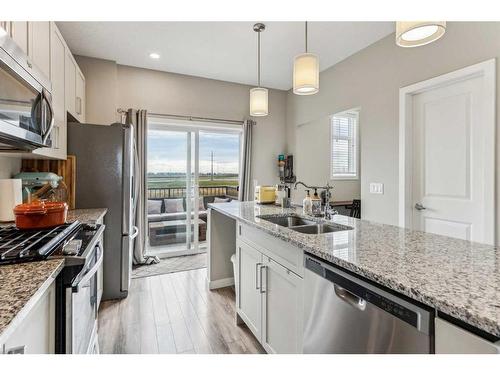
26,114
81,308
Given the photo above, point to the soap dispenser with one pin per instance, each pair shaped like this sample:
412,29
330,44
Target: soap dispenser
307,204
316,204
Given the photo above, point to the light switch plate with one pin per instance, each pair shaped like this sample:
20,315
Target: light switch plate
376,188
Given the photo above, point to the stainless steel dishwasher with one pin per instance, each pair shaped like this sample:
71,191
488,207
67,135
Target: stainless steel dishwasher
344,314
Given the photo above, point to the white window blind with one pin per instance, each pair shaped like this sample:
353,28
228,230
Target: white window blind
344,145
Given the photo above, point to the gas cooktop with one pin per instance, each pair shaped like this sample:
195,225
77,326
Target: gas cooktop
31,245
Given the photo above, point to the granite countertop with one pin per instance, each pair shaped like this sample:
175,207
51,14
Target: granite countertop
21,287
21,284
457,277
86,215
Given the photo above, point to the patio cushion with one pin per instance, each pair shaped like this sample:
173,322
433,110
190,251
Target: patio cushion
221,200
201,206
174,205
154,206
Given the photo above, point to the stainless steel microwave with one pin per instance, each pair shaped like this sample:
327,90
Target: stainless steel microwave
26,113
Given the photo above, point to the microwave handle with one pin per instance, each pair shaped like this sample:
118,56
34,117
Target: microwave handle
75,287
47,131
34,106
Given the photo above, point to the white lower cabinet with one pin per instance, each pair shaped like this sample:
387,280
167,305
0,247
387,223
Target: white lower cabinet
282,309
35,334
269,300
249,297
451,339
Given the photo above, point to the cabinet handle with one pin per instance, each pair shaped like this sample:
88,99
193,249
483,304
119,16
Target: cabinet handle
16,350
257,273
262,290
78,105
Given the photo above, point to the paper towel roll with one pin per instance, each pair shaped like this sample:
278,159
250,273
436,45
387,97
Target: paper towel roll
11,194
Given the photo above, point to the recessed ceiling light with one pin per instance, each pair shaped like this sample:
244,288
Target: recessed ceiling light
154,55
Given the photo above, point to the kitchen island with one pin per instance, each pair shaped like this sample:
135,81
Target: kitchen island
457,278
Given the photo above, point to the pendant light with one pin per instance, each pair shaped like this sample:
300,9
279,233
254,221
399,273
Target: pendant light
418,33
259,104
306,72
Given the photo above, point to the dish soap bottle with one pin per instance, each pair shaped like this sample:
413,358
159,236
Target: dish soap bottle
307,204
316,204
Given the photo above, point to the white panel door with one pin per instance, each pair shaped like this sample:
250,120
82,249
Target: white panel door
450,155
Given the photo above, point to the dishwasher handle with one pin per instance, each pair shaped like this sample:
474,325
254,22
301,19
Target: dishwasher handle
350,298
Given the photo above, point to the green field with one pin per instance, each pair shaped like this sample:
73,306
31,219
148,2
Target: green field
179,182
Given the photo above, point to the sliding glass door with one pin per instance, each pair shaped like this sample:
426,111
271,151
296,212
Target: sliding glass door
189,166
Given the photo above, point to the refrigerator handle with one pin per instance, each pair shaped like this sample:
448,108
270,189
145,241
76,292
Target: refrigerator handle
134,233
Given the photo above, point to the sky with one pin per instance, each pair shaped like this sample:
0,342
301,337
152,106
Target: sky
167,151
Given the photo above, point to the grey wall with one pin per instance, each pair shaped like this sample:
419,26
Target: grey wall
312,160
161,92
371,80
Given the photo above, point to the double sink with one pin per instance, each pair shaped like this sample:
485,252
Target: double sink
303,225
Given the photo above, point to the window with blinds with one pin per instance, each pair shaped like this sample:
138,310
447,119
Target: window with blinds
344,148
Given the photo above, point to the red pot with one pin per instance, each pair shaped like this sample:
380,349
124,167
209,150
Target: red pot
40,214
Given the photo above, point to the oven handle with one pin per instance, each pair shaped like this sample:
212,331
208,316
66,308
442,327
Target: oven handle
75,287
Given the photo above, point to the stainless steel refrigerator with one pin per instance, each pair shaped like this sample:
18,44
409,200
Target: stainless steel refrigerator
105,170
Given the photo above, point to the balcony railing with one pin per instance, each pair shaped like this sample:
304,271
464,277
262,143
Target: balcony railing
205,191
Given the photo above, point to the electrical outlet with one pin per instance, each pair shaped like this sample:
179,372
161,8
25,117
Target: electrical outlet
376,188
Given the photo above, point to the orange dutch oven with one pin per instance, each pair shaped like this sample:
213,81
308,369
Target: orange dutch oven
40,214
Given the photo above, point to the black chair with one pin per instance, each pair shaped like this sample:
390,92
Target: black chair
355,209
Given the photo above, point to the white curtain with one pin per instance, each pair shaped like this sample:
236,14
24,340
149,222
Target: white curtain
245,193
139,119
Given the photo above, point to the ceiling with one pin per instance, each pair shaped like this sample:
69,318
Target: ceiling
221,50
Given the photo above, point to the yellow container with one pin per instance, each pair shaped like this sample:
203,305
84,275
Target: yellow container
265,194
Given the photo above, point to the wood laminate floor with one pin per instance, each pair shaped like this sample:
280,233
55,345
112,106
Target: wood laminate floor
174,313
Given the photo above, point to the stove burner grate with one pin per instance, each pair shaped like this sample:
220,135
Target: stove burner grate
25,245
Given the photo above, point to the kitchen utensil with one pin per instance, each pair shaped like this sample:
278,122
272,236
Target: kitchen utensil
40,214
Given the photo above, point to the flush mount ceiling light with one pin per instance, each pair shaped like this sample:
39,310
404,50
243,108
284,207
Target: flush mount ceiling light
259,104
306,72
418,33
154,55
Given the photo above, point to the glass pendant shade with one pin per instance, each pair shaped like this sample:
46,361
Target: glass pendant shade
418,33
259,102
306,74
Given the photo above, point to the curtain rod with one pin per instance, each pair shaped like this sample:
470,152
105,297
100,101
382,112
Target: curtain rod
190,118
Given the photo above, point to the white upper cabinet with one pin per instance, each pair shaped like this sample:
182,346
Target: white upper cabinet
19,32
39,45
56,73
45,47
70,80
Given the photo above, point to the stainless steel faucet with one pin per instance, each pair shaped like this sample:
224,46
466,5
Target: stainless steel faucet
327,210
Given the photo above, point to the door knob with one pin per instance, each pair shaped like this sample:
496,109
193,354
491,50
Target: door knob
419,206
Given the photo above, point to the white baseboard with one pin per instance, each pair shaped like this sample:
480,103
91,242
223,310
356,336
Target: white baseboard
221,283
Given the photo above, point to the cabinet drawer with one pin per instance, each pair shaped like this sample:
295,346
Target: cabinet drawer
284,253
